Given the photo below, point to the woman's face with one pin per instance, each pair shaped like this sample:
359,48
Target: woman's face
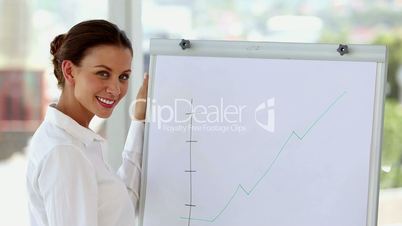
101,79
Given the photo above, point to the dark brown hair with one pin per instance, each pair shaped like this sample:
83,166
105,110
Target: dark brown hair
74,44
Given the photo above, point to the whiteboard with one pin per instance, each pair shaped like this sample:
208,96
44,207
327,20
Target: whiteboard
244,133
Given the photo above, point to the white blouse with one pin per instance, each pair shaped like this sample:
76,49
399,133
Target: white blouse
69,182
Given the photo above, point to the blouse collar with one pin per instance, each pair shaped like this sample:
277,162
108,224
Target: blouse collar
63,121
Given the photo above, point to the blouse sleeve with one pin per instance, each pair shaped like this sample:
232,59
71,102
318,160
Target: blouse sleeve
67,184
130,170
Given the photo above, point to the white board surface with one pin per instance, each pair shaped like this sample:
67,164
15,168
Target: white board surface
249,141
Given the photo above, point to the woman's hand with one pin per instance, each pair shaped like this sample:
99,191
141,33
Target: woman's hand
141,100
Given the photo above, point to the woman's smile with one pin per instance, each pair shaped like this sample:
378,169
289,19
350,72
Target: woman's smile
106,102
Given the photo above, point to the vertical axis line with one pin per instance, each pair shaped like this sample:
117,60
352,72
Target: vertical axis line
191,169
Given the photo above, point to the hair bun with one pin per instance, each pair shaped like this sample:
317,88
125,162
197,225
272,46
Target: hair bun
56,43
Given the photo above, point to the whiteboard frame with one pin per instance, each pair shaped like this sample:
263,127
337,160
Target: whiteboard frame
276,50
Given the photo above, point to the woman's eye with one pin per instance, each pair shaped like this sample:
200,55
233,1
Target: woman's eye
124,77
104,74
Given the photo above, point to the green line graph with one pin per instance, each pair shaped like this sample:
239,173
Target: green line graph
241,188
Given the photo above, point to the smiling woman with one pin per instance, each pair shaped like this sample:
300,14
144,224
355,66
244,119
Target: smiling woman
93,60
99,82
67,179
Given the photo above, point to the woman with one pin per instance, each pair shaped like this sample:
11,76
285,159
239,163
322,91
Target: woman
68,180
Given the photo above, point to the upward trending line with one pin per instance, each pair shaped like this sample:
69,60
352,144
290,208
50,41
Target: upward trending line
240,187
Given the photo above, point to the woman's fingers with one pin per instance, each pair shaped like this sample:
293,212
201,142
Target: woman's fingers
141,101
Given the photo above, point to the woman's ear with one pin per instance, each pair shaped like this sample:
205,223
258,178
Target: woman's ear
68,72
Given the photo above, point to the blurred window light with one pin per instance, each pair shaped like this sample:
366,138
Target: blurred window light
289,28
